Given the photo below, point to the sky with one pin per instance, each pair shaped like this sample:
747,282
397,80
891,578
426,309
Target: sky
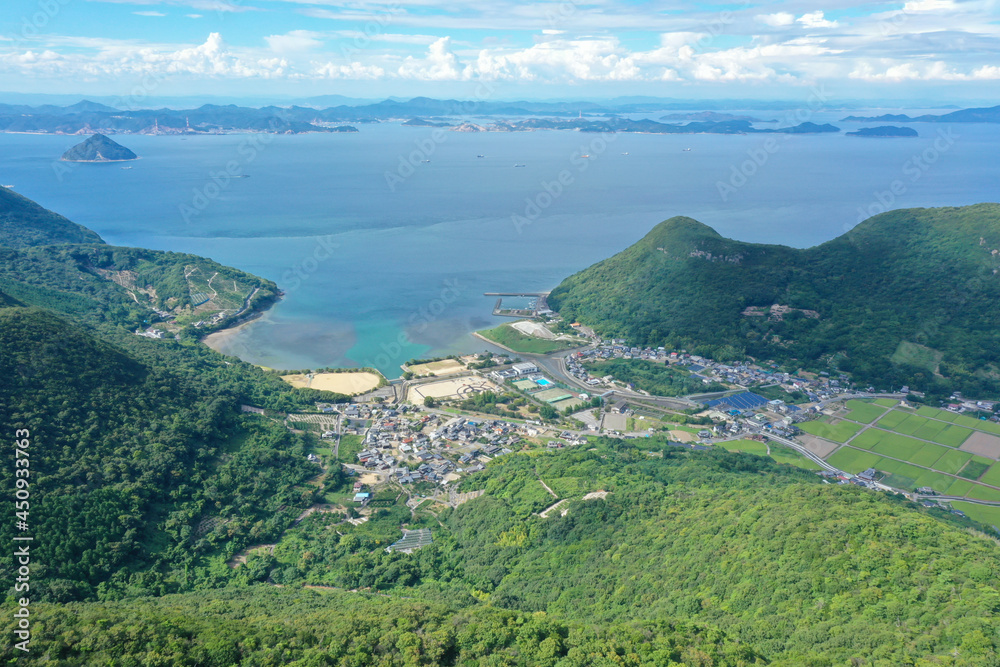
946,50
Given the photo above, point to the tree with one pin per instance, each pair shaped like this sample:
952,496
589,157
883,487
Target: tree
430,402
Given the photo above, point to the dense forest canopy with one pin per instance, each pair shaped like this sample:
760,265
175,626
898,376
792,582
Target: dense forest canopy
906,297
24,223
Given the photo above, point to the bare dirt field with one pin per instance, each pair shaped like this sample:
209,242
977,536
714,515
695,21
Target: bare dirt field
818,446
342,383
683,436
437,368
534,329
462,387
983,444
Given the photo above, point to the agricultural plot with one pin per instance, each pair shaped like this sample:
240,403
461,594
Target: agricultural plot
980,492
935,480
791,457
992,476
863,412
934,413
981,513
983,444
869,438
748,446
952,461
959,487
928,455
898,446
893,419
853,460
978,424
841,431
974,468
886,402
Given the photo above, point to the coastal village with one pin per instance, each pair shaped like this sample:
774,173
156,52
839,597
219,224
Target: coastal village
423,434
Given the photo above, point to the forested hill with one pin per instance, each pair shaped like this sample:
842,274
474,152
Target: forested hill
907,297
24,223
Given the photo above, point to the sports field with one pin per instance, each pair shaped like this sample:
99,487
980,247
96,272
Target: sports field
342,383
438,368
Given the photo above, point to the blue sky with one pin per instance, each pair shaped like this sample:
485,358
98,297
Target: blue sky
926,49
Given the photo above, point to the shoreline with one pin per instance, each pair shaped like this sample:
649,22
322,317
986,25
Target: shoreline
230,330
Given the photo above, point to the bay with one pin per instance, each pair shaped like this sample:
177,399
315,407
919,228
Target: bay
385,240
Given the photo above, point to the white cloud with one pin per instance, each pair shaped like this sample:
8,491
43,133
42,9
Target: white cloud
816,20
776,20
355,71
928,5
440,64
193,16
149,13
295,41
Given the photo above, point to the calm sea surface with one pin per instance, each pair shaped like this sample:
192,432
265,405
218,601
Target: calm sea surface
385,257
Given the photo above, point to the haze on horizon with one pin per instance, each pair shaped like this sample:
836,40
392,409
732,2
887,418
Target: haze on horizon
932,50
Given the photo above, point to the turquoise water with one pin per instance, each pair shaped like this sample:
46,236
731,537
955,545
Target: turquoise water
543,382
382,263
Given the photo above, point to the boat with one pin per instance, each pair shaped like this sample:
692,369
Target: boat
425,161
9,187
518,165
626,153
685,149
585,156
480,156
128,167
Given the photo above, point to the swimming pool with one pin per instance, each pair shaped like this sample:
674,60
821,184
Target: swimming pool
543,382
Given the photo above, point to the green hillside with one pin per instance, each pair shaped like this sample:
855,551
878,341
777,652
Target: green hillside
24,223
907,297
266,626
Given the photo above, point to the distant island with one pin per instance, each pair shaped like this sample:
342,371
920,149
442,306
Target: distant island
712,116
884,131
98,148
421,122
643,125
983,115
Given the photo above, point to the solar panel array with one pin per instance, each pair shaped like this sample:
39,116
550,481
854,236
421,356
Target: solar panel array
412,540
743,401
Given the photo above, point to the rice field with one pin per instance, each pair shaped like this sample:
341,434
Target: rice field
861,411
981,513
840,432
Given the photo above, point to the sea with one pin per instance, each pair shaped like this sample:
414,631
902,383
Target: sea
385,240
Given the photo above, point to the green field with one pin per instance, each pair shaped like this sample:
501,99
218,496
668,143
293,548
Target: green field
993,476
748,446
974,468
959,487
886,402
981,513
868,439
934,413
898,446
863,412
839,432
792,457
893,419
928,455
952,461
924,427
853,460
513,339
978,424
937,481
350,445
980,492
